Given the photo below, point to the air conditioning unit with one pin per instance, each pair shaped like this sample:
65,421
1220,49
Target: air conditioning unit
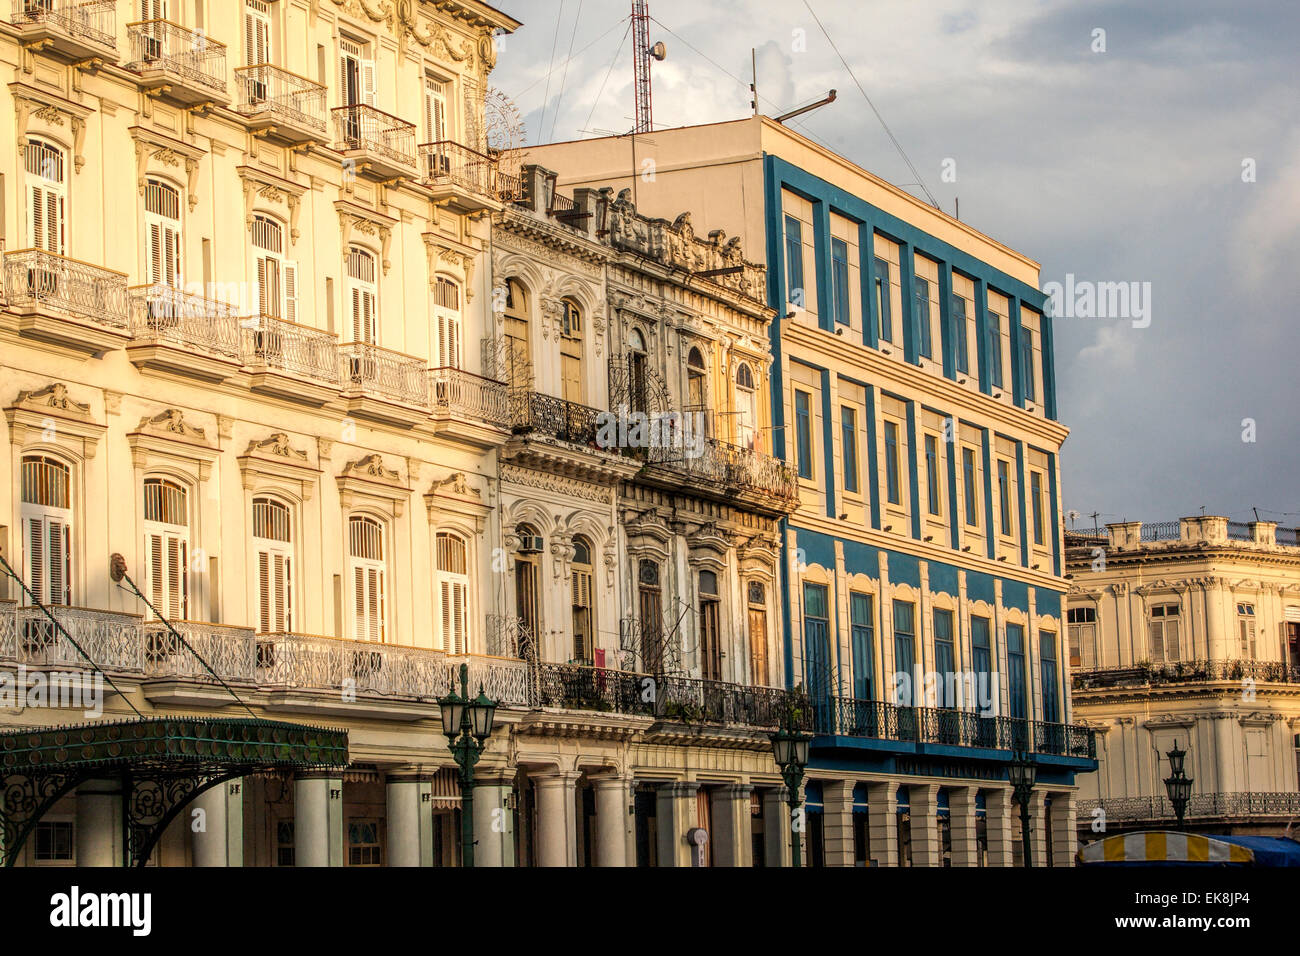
531,544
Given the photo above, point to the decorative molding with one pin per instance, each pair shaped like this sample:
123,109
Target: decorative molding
274,458
369,480
568,487
167,436
32,103
53,416
152,148
354,218
453,496
259,184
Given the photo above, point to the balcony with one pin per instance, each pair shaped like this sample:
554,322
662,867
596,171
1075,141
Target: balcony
376,143
1185,672
922,727
185,67
291,361
560,436
507,681
66,301
71,29
469,408
284,105
111,640
382,385
175,331
178,677
460,178
727,472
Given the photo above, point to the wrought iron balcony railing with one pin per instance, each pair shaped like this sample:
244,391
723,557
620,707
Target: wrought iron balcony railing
1185,672
850,717
162,45
510,187
458,393
113,641
533,412
8,630
344,667
284,346
38,279
1283,804
452,163
230,651
379,373
362,127
269,89
729,466
509,682
95,20
164,314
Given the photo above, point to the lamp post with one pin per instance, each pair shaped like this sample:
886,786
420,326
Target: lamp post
467,724
790,748
1022,772
1178,785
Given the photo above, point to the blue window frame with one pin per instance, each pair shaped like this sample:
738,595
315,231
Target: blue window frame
981,660
905,652
892,485
921,296
864,640
961,351
1027,364
1004,495
945,661
817,654
882,300
1036,493
849,447
794,290
932,474
803,432
1016,689
840,281
1047,676
968,484
994,347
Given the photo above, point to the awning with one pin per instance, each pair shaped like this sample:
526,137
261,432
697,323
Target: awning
1167,847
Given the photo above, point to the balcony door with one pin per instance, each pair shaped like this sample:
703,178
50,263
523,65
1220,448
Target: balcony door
46,197
368,573
571,352
47,528
435,124
362,296
650,614
757,600
356,73
518,357
273,545
527,578
746,408
167,547
277,277
162,216
581,584
710,638
817,650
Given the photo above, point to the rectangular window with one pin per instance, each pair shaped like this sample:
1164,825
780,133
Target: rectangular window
995,349
1036,494
1047,677
803,432
816,623
981,660
1019,703
945,662
882,301
840,281
794,261
1028,372
849,449
932,473
1162,629
1004,496
904,653
54,843
921,297
969,490
961,352
892,488
363,843
1082,636
863,637
1246,630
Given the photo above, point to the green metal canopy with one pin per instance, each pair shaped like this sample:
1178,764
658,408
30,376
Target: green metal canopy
162,763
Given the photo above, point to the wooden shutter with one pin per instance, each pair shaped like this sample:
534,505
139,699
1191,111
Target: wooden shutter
359,602
290,290
368,82
36,576
59,562
257,35
1157,641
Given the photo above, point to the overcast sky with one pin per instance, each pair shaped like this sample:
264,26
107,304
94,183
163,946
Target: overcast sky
1119,166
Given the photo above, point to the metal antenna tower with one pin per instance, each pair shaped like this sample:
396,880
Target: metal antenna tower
642,53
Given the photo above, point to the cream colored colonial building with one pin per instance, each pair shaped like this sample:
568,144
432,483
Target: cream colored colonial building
1188,633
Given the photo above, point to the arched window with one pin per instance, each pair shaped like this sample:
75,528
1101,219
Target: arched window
162,217
362,294
636,370
757,606
746,407
527,580
710,637
583,603
448,348
47,528
518,357
277,277
273,545
453,592
650,616
366,564
696,384
571,351
47,192
167,547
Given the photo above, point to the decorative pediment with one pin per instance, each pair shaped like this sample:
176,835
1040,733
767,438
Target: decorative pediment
35,108
369,480
709,539
158,152
355,220
448,255
453,497
269,188
167,438
274,460
51,416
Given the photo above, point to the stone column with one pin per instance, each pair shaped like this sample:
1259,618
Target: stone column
494,821
675,814
318,820
1064,835
926,848
410,820
837,821
882,811
731,842
99,823
998,824
776,827
1038,826
556,826
221,840
961,810
613,821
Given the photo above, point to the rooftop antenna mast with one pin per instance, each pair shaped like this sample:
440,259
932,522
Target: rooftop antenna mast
642,54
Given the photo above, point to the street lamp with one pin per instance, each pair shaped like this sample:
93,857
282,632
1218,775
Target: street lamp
1178,784
790,748
1022,774
467,724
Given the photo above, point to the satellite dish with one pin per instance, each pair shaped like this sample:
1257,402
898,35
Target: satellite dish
659,51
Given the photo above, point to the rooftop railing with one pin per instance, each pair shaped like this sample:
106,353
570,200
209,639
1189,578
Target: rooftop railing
364,127
163,313
42,279
195,57
272,89
95,20
285,346
384,374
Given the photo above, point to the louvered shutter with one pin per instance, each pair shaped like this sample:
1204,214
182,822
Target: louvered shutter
264,592
368,82
1157,641
157,588
155,253
291,291
36,576
445,598
359,598
59,566
285,592
357,322
171,256
1171,639
458,612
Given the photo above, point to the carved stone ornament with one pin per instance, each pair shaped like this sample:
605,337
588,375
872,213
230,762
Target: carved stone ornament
277,446
171,422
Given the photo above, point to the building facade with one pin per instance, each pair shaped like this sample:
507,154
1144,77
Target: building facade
1187,634
921,578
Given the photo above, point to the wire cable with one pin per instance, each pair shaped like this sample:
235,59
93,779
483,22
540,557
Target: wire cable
564,77
546,96
608,73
